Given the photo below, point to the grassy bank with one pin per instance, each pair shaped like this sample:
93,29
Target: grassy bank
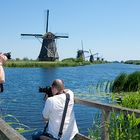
46,64
136,62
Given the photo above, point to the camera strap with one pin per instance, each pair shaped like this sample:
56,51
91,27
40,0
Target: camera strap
1,88
64,115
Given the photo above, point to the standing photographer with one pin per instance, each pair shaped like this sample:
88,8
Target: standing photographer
53,112
3,59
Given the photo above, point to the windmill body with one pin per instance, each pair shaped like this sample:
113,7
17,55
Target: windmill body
48,50
92,56
81,53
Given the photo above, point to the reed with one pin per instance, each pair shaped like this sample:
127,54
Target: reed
132,83
94,133
126,82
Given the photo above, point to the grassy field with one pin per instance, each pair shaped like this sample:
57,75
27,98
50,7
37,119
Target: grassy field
46,64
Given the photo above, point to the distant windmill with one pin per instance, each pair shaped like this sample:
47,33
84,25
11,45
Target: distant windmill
92,56
80,53
48,50
101,58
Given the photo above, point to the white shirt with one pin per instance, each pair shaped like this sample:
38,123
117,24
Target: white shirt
3,59
53,110
2,74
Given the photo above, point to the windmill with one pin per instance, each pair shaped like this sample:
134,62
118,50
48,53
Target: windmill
80,53
91,57
48,50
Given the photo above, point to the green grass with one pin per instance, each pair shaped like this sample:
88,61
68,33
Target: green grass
121,126
126,82
128,99
136,62
124,127
44,64
69,62
119,82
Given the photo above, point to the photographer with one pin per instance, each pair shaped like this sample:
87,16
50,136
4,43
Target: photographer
53,112
3,59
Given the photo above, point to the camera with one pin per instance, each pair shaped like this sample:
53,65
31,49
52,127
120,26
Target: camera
8,55
47,90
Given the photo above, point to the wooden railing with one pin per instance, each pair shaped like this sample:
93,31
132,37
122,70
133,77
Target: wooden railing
8,133
106,109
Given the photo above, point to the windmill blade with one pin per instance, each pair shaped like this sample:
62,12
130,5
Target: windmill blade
87,56
96,54
35,35
90,51
61,36
47,21
86,51
82,45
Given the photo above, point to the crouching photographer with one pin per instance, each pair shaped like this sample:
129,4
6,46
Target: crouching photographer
3,58
58,114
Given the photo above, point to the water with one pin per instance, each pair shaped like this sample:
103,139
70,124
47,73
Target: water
22,99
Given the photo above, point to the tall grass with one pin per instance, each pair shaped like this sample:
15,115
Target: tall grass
124,127
94,133
119,82
132,82
127,82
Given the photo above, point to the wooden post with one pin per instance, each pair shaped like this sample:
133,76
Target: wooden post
105,124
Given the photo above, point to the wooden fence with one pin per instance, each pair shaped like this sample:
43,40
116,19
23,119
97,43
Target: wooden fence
106,109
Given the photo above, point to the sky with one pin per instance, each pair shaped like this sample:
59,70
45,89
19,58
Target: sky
109,27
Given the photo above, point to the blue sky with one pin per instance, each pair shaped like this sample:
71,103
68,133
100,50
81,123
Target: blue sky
109,27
